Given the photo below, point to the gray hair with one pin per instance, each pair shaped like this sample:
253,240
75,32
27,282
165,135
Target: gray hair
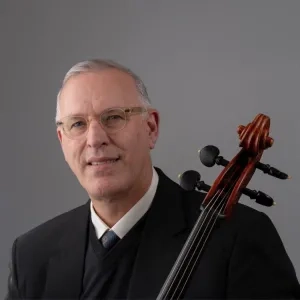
102,64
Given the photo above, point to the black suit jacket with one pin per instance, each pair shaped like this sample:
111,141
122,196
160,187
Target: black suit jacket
245,257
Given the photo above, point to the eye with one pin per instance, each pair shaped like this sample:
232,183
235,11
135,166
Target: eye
77,124
113,117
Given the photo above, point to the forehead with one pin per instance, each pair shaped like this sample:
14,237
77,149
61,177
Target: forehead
92,92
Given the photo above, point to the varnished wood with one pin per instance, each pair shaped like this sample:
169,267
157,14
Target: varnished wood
218,203
254,140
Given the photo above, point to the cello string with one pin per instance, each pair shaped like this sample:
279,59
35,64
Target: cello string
222,204
212,222
189,267
193,241
200,251
210,205
247,137
189,240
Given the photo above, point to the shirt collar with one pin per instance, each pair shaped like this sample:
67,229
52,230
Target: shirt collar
131,217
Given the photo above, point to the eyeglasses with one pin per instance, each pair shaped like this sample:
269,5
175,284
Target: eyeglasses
111,120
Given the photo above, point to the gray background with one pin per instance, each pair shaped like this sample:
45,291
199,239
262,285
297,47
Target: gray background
208,65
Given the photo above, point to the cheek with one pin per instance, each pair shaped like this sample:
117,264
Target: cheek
72,155
125,144
138,145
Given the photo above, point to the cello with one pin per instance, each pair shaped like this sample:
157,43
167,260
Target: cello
221,197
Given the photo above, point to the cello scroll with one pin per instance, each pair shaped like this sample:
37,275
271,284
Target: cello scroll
219,201
254,140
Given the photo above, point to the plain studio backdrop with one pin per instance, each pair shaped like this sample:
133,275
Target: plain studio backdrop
209,66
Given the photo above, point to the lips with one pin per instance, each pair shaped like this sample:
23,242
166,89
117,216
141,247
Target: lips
102,160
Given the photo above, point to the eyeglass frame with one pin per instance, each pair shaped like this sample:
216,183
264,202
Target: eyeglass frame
128,111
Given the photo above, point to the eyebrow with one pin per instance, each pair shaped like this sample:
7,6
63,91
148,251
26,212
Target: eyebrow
68,116
74,115
85,116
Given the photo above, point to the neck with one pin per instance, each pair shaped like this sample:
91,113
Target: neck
113,209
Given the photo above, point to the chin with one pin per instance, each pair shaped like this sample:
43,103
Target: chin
106,188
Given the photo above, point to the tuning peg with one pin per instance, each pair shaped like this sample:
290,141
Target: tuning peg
272,171
209,156
191,180
260,197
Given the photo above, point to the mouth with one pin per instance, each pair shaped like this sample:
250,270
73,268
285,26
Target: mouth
104,161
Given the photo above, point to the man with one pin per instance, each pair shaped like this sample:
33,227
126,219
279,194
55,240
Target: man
123,242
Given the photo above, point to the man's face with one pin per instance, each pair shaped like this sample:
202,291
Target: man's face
88,95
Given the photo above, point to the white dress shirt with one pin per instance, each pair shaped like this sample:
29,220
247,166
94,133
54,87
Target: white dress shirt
131,217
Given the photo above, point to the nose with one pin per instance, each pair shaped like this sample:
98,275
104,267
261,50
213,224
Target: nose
96,136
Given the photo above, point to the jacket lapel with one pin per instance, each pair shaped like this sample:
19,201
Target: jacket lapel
165,233
167,227
65,268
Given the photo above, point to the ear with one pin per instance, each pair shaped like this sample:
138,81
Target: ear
153,123
60,138
59,135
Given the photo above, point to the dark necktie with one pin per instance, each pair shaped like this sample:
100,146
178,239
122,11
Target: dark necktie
109,239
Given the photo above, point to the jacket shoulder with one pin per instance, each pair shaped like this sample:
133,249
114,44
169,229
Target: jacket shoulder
49,231
31,250
242,215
